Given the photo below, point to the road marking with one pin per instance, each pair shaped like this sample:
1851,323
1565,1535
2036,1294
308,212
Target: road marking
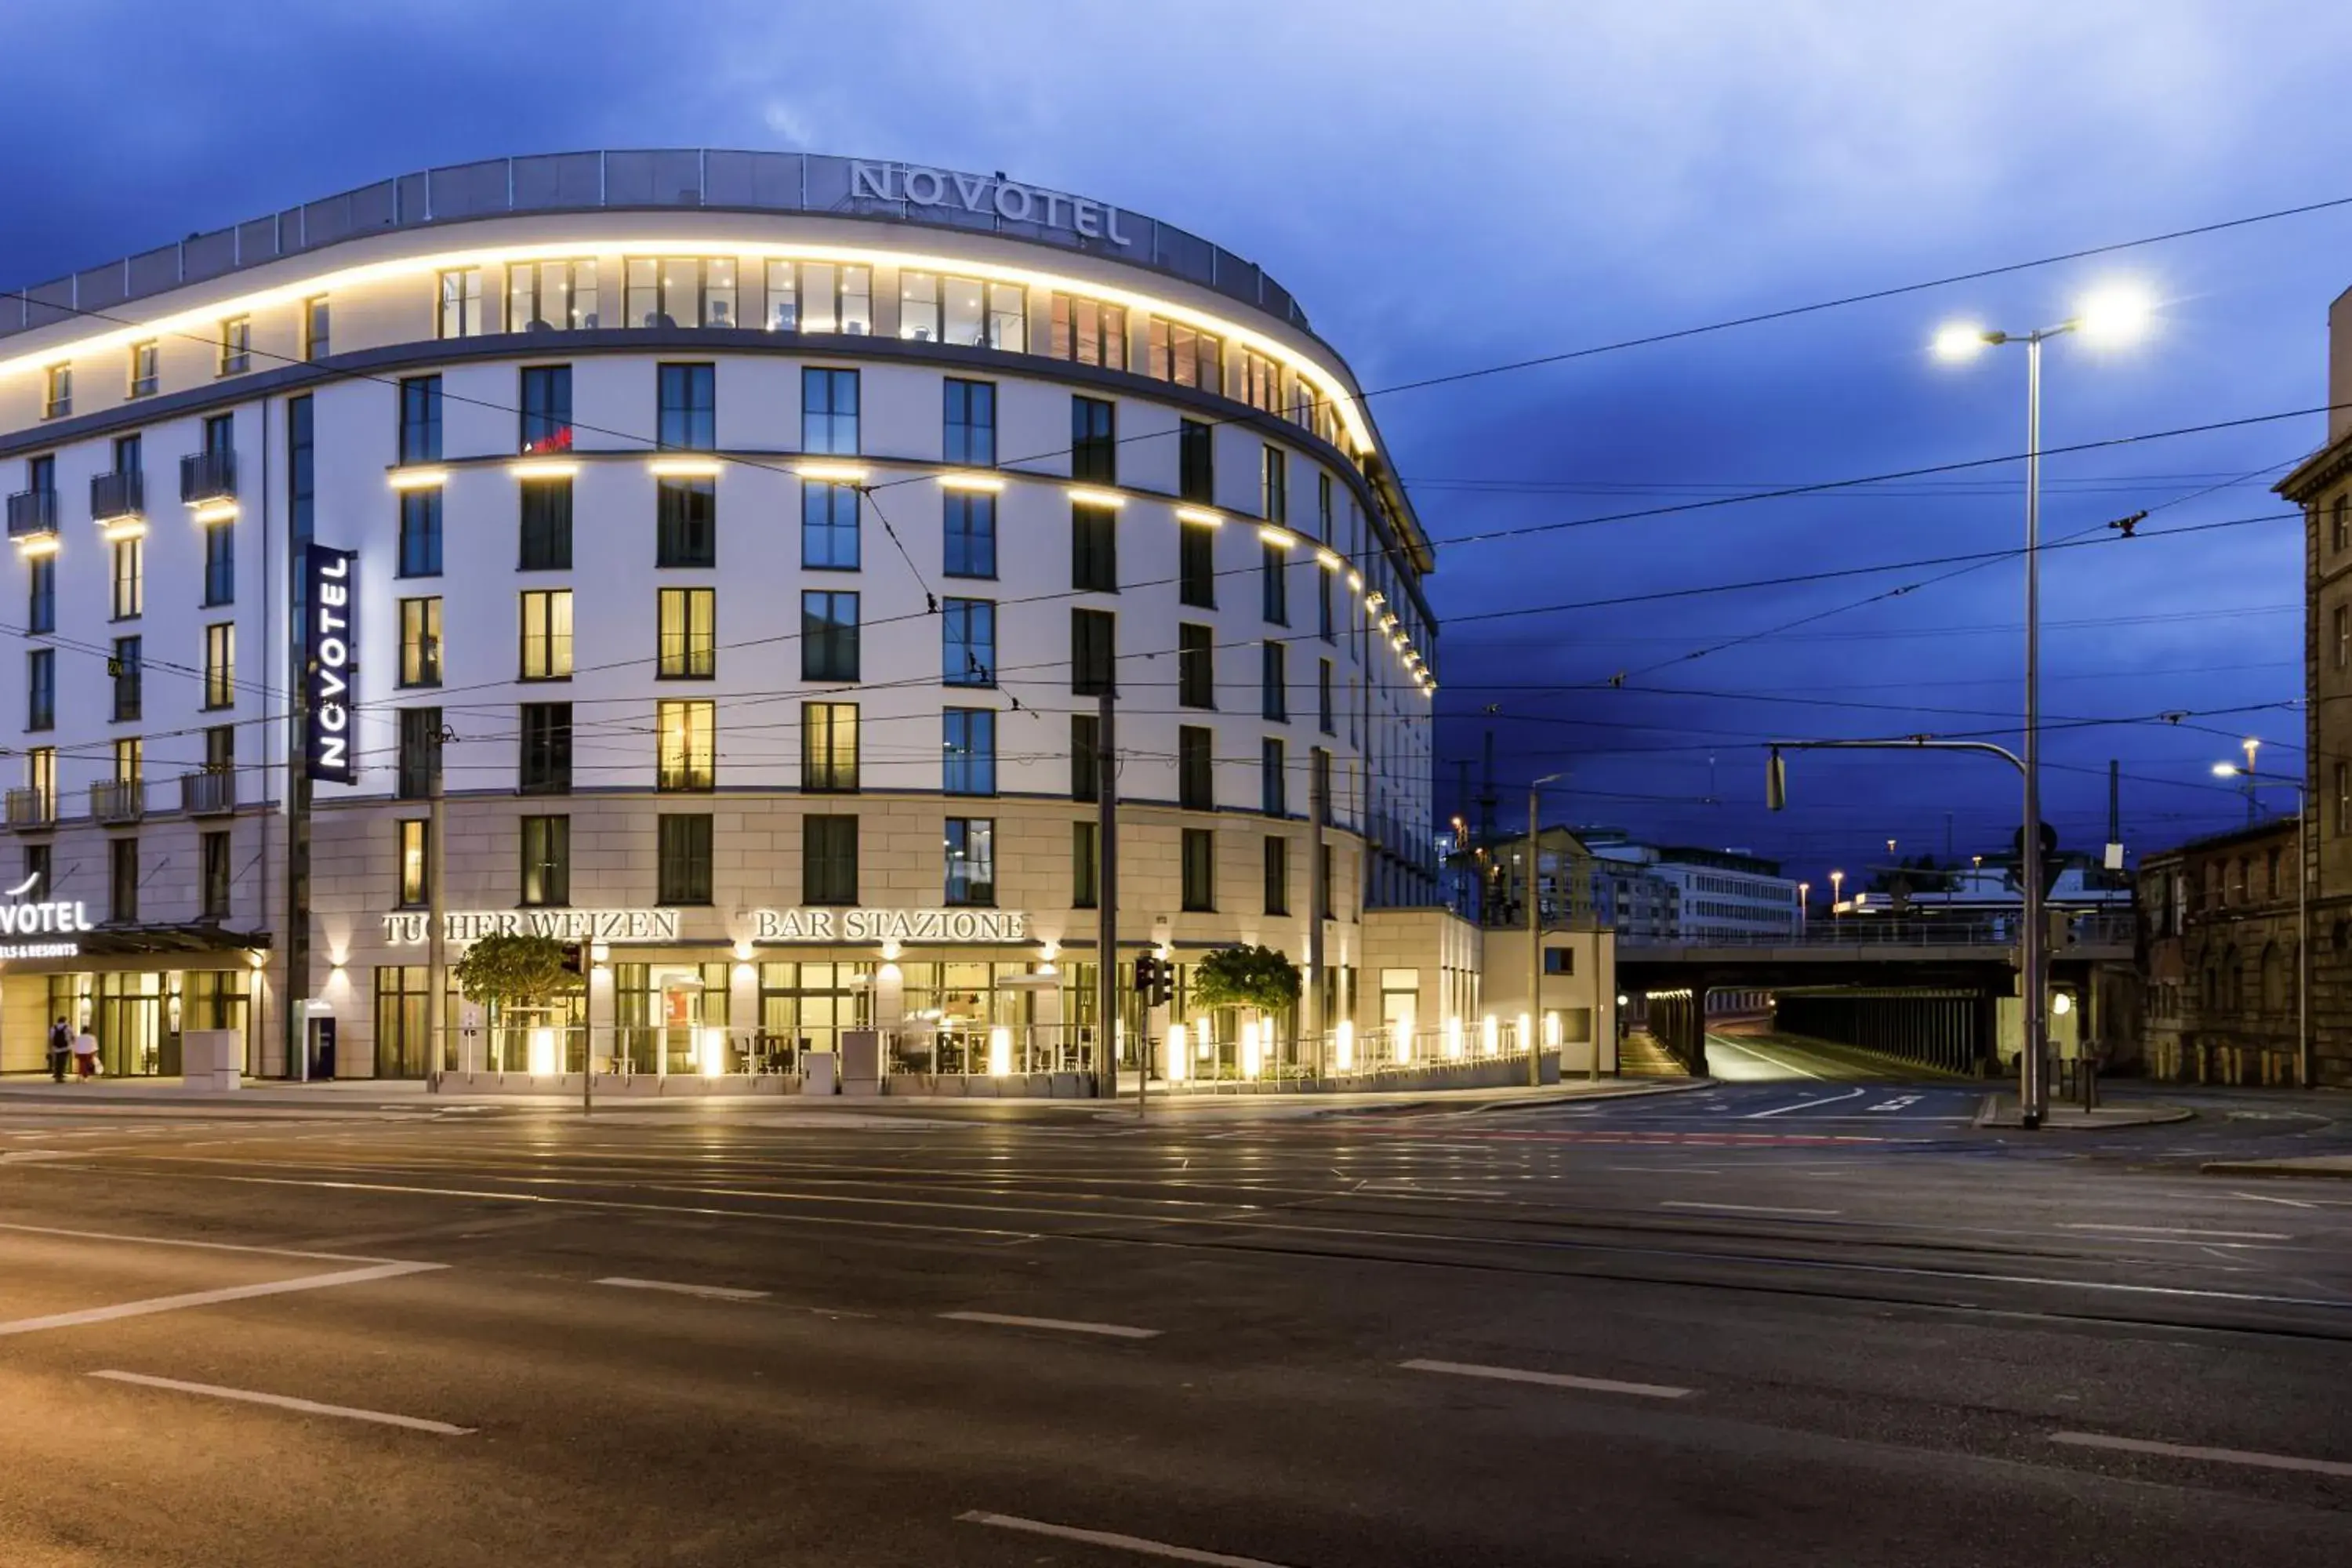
1108,1330
2266,1198
717,1293
1741,1208
200,1246
2219,1455
286,1402
1803,1105
1548,1378
212,1298
1759,1056
1117,1542
1897,1103
2198,1234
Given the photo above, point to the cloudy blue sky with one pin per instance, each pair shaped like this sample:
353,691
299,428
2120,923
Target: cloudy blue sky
1450,187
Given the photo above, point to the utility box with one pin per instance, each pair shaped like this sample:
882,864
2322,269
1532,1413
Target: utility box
820,1073
212,1058
861,1061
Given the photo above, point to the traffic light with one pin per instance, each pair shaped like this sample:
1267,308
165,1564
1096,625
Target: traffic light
1155,981
575,958
1776,783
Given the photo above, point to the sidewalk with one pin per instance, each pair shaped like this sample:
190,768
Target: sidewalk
2336,1165
2001,1110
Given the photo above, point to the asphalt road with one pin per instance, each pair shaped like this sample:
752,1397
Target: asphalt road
1780,1322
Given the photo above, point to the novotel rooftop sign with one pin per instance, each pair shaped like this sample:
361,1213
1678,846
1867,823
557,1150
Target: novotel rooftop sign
921,185
410,927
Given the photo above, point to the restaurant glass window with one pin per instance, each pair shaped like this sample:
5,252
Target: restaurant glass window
806,1006
1187,356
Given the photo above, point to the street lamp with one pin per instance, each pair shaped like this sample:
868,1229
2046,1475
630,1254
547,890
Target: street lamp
2115,315
2301,898
1804,905
1837,880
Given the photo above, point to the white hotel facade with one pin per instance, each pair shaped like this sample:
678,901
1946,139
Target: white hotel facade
753,533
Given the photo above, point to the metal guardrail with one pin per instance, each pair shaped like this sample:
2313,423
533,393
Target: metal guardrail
118,801
118,495
207,476
32,808
2095,928
207,793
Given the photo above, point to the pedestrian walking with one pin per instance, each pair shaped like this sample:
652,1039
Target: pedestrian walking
61,1049
85,1055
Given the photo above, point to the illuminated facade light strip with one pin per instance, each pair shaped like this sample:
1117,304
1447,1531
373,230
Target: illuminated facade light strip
1280,538
1329,559
1083,496
205,321
418,479
1200,514
214,512
124,528
832,473
985,484
544,469
684,467
37,544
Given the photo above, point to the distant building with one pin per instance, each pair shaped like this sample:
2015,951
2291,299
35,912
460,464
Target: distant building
2219,948
1644,892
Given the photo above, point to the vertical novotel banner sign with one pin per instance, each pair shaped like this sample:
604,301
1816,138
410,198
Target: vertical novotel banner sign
330,644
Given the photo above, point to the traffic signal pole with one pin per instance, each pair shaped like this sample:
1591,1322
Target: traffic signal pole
1106,909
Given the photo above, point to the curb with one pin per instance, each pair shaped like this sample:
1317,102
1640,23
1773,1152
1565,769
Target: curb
1643,1091
2273,1169
2170,1116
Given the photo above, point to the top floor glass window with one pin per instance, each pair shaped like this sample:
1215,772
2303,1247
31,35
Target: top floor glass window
547,408
969,427
420,419
236,345
461,303
688,415
829,411
1187,356
1261,381
820,296
680,291
1089,332
318,328
550,296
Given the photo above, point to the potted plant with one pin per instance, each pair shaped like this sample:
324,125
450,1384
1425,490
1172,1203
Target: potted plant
1259,978
511,973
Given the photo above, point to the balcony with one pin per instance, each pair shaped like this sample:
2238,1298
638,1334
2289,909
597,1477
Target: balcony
116,496
33,514
118,801
209,793
32,809
208,477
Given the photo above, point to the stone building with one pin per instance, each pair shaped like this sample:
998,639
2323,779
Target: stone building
2220,941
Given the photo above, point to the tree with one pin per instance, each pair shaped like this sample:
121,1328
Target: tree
1259,977
512,970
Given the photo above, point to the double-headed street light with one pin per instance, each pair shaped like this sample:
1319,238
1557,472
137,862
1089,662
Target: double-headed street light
2302,895
2116,315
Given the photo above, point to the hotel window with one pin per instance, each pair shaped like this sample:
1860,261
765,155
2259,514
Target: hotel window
41,593
1273,776
683,846
828,859
1086,865
689,632
1186,356
968,642
124,666
461,303
1200,870
220,564
301,488
1089,333
680,291
41,778
719,293
967,522
1273,582
920,307
828,636
122,879
687,398
420,419
1196,462
1196,564
550,296
1196,784
420,532
41,689
1261,381
829,748
220,665
1273,683
971,846
318,328
1086,757
129,576
420,642
2343,797
56,392
544,767
1278,875
546,622
220,749
1323,624
685,522
1323,695
145,375
1094,548
829,412
687,745
547,861
420,747
1273,486
969,748
415,862
1093,637
1196,670
36,866
820,296
129,761
1322,506
1318,787
236,345
546,525
968,424
213,871
1094,441
546,408
1008,318
829,514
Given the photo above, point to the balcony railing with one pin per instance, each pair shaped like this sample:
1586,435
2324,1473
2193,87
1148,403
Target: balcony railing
32,512
32,808
208,793
118,495
207,477
118,801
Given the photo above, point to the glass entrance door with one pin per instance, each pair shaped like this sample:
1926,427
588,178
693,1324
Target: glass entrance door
129,1024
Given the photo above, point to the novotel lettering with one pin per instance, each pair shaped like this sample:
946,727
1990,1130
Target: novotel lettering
329,580
23,919
406,928
890,925
921,186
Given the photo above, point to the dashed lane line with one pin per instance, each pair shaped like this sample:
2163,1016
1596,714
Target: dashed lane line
2190,1451
1549,1379
1113,1541
286,1402
1746,1209
1058,1325
676,1288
